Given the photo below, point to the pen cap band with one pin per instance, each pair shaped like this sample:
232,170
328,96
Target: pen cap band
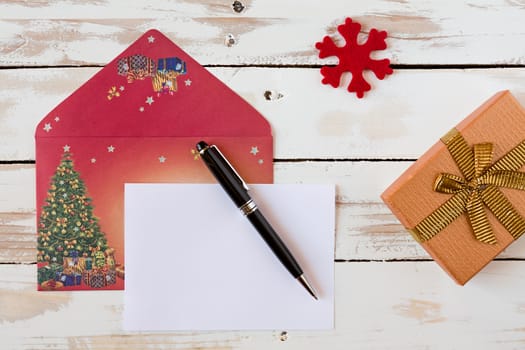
248,207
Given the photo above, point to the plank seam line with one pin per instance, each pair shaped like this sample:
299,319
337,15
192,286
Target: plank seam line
17,162
335,160
409,260
277,160
399,66
339,261
17,262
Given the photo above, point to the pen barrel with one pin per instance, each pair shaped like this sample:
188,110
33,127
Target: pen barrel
225,175
235,187
275,243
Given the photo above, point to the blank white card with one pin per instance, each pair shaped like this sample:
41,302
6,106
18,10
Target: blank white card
194,262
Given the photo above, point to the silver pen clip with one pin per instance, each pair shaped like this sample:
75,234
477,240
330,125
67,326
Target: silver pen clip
232,168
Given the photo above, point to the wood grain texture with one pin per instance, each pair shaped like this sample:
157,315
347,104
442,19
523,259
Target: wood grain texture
309,120
384,300
269,32
409,305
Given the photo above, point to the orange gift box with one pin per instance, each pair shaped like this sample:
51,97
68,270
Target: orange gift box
464,199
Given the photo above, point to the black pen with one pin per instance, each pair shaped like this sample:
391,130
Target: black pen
237,189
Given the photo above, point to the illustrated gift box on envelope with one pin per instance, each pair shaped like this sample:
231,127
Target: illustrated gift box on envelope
135,121
464,199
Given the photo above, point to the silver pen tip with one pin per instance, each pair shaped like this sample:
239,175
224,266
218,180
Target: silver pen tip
304,282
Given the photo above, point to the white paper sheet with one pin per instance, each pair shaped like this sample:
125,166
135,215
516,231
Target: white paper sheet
194,262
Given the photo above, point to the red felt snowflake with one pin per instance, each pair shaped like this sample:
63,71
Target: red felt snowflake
353,57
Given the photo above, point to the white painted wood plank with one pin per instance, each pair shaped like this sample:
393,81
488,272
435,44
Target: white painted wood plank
411,305
268,32
399,119
365,228
17,214
114,9
31,95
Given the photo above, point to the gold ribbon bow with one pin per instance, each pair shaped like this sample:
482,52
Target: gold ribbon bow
477,188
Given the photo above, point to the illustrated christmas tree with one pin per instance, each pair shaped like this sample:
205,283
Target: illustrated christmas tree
67,223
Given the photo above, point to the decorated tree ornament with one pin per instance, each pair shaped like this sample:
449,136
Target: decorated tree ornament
100,259
61,226
354,57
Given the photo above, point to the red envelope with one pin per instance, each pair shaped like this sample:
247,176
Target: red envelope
137,120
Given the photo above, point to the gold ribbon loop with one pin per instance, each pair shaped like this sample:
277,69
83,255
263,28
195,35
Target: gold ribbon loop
505,178
461,152
448,183
478,188
482,158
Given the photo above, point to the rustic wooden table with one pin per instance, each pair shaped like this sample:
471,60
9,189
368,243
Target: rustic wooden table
448,57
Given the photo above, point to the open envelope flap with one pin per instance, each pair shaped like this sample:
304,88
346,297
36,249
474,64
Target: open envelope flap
137,120
154,79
